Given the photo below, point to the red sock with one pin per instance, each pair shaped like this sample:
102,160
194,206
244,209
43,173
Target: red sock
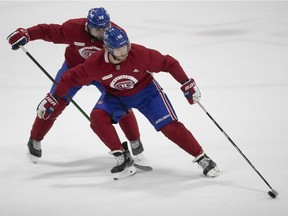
41,127
178,133
102,126
129,126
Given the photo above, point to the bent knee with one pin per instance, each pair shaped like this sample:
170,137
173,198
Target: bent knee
98,117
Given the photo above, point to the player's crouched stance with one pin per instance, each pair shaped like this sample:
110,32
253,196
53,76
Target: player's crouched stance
89,33
124,73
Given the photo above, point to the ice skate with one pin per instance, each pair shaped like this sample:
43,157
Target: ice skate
137,149
125,165
34,150
142,167
209,167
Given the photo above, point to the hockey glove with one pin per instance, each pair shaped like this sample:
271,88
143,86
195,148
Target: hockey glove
191,91
18,38
47,106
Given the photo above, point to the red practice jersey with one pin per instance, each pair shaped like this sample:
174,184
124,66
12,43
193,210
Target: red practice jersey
72,32
124,79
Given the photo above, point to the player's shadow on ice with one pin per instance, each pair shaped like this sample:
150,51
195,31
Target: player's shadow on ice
80,168
95,173
163,181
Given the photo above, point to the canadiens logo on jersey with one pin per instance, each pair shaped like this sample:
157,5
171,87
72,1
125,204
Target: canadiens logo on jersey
86,52
123,82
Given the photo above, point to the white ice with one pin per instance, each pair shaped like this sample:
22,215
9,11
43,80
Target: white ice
238,54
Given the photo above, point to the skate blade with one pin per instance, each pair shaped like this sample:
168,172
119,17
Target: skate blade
213,173
129,171
143,167
32,158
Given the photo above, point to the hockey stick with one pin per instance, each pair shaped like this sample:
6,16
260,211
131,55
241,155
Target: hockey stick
54,81
272,193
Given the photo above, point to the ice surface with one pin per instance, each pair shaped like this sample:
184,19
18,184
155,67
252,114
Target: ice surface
238,54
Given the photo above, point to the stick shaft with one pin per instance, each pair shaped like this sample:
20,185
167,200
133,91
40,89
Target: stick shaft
54,81
233,143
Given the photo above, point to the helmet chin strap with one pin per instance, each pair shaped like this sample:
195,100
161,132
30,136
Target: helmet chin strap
111,52
114,58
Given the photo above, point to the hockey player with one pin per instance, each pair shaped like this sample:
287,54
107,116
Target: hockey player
84,36
125,73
